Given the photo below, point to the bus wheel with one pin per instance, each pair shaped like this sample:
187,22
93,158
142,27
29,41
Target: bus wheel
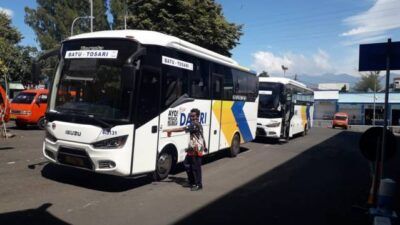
235,146
41,123
164,166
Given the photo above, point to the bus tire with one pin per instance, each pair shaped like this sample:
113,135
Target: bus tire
164,165
41,123
235,146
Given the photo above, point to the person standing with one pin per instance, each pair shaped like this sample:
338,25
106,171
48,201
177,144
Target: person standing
195,150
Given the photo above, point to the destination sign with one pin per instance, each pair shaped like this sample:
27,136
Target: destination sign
92,54
177,63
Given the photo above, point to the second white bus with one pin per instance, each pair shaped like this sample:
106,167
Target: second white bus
285,108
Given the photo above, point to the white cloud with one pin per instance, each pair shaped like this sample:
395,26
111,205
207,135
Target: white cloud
316,64
381,17
8,12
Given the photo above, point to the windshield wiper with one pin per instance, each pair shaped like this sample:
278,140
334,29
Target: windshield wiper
108,126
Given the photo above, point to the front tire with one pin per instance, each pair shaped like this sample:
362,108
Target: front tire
235,146
163,166
41,123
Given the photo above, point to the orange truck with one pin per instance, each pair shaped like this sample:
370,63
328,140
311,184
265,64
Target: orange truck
29,108
4,106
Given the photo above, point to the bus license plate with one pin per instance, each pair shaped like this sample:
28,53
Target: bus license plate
74,161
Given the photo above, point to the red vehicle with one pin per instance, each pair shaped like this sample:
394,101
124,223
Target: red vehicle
4,106
29,108
340,119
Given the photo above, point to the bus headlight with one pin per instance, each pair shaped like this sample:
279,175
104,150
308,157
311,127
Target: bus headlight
117,142
274,124
50,137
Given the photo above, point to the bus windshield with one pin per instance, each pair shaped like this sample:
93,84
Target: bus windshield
95,87
269,102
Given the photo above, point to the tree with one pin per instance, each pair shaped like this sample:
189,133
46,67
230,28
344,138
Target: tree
197,21
263,74
15,60
368,82
52,19
343,89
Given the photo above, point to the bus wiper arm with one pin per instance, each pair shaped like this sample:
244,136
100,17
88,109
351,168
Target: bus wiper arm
104,123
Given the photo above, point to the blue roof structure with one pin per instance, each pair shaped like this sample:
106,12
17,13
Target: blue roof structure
368,98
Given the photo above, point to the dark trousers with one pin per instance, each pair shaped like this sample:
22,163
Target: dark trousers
193,169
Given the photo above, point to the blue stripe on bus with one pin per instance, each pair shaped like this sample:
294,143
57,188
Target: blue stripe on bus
241,120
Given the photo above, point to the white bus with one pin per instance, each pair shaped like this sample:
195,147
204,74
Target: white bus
285,108
115,92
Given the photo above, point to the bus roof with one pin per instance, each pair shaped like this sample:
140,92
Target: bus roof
156,38
283,80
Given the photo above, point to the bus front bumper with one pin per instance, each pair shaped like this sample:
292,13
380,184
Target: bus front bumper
84,156
269,132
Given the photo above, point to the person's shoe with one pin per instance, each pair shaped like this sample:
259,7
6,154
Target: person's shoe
187,185
196,188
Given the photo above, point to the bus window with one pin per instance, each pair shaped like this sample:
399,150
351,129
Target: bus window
149,96
175,85
199,81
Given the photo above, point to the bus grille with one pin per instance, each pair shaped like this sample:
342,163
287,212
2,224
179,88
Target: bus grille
261,132
74,157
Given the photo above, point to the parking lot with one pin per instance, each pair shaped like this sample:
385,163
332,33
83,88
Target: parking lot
318,179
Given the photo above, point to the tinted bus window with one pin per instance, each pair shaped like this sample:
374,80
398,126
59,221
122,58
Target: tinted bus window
175,84
199,82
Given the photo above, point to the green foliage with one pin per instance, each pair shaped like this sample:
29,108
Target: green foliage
264,74
52,19
198,21
368,82
343,89
15,60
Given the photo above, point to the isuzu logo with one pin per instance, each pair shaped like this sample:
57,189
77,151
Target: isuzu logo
73,132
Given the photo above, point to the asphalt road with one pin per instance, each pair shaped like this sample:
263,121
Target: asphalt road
318,179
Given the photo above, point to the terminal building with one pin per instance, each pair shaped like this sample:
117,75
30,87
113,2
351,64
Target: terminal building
359,106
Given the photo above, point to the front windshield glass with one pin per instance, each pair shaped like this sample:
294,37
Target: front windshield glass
24,98
269,101
94,85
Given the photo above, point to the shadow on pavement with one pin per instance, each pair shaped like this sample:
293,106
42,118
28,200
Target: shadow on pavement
108,183
326,184
91,180
208,159
36,216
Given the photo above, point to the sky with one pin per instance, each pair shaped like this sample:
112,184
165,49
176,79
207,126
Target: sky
313,37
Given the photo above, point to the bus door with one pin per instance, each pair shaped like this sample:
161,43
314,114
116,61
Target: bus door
287,113
215,126
146,120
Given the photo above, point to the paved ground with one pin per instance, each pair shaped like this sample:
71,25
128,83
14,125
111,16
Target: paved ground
317,179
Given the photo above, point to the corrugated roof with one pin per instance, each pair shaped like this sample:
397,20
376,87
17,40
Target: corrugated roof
368,98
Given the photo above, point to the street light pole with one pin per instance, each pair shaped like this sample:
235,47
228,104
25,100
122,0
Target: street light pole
91,15
77,18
